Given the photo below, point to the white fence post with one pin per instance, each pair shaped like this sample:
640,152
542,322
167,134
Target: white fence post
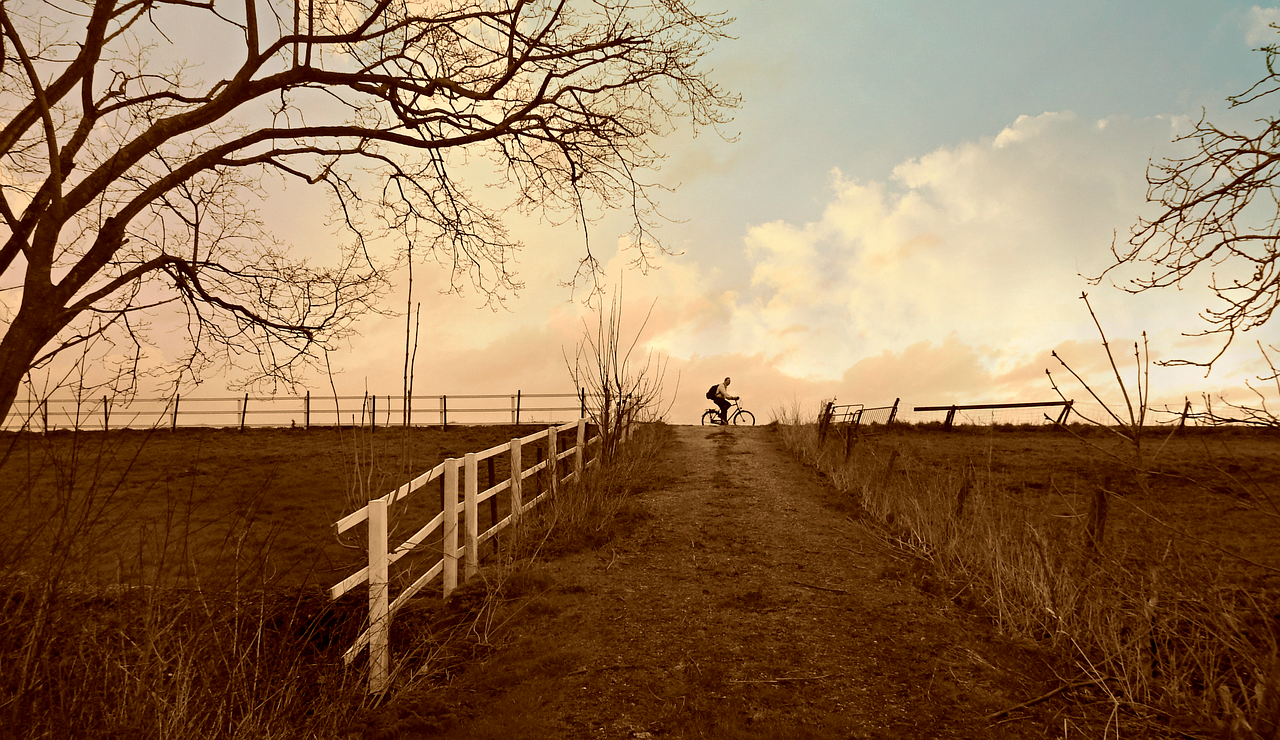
471,511
517,482
581,449
379,616
450,505
553,459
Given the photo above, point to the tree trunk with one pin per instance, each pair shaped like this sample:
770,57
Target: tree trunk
33,327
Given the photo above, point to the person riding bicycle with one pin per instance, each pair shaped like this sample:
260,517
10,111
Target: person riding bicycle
720,395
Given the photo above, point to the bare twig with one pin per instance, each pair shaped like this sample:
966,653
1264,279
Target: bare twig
822,588
1044,697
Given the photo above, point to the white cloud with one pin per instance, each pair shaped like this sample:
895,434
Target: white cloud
984,241
1260,31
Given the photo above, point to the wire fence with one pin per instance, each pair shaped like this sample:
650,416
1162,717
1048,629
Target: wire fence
307,410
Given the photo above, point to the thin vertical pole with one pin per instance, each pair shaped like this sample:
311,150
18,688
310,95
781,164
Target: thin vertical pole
176,398
893,413
471,514
373,412
517,408
244,411
379,608
582,402
450,525
444,412
106,413
306,410
517,481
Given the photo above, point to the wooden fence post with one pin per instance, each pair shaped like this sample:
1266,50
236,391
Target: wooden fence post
444,412
517,481
450,553
244,411
542,474
517,407
580,449
106,413
176,398
893,413
1066,412
553,459
493,501
379,609
582,399
824,421
471,537
306,411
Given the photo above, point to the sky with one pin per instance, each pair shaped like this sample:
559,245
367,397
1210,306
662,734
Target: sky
905,207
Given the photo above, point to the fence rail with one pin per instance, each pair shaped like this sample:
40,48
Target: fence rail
457,514
952,409
247,410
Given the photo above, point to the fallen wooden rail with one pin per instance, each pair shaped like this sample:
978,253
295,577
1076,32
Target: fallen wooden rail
952,409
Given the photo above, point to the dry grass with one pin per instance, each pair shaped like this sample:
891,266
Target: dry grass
166,584
1161,598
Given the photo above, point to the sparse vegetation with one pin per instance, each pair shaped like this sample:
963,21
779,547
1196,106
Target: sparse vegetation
194,627
1164,617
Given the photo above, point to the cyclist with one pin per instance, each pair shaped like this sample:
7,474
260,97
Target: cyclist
720,395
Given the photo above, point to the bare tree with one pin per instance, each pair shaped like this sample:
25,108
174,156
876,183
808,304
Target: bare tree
128,183
1218,212
620,388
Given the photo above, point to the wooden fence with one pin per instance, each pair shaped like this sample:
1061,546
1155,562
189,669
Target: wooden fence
105,412
952,409
458,514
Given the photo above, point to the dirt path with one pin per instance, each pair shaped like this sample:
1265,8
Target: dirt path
749,605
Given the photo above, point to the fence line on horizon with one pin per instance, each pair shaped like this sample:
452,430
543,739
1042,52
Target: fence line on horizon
248,410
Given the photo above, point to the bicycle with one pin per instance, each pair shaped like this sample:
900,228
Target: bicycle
737,416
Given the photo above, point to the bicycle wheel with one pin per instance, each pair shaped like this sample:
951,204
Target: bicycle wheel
745,418
710,416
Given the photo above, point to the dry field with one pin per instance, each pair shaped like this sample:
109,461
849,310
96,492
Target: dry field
1156,584
209,505
1164,628
1209,495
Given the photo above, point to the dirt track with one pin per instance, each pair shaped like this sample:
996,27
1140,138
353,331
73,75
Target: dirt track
749,605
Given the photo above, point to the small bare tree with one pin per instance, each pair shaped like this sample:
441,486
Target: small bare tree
1129,423
127,183
620,390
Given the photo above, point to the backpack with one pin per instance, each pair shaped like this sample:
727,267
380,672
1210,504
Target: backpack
711,392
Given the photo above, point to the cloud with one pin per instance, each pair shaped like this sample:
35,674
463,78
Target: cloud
983,242
1260,22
